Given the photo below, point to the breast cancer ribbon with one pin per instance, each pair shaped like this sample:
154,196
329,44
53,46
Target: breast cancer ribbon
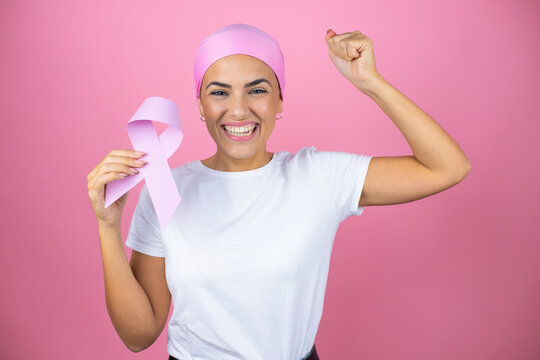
156,172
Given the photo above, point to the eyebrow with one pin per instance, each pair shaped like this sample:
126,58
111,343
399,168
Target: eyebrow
254,82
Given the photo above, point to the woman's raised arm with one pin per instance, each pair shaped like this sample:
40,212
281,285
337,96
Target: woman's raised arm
438,162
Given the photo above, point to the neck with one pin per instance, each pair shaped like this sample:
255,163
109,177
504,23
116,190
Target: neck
223,162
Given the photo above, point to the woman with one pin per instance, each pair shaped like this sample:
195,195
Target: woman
246,256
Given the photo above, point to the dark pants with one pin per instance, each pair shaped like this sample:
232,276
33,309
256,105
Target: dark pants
312,356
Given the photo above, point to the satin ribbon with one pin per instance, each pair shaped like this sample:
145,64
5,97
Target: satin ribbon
156,172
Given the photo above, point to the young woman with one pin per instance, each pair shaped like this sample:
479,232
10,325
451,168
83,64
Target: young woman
245,257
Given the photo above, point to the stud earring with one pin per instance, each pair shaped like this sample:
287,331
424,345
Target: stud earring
281,116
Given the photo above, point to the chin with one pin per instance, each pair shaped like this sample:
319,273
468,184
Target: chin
240,152
240,149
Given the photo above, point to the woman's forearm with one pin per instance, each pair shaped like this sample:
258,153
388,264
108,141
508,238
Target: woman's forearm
128,304
431,145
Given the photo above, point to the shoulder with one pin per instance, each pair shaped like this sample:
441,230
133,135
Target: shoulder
303,154
186,173
184,169
300,163
315,156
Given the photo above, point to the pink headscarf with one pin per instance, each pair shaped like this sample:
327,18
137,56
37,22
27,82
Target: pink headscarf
238,39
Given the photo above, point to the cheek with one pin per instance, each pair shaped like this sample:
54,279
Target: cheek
268,127
211,126
212,108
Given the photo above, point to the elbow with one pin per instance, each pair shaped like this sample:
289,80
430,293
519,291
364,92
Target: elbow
466,169
139,345
137,339
463,172
135,348
455,175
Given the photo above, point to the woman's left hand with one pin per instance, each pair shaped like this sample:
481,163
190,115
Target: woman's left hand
352,53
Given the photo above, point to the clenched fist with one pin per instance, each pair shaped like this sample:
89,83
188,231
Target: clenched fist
352,54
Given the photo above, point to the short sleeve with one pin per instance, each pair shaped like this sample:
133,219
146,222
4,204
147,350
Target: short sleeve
144,231
343,175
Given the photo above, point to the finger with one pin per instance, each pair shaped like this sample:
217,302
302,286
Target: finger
329,34
333,37
352,50
103,179
358,32
130,159
129,153
90,174
116,167
117,159
338,37
120,159
342,50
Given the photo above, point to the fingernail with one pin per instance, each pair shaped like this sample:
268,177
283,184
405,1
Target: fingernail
140,162
139,153
133,171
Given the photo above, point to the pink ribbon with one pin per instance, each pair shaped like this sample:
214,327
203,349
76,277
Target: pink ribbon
156,172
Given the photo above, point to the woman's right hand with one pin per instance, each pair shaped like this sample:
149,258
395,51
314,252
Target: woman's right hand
116,165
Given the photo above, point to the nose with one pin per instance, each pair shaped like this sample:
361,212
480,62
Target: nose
239,107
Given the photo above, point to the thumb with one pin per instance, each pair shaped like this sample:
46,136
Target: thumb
329,34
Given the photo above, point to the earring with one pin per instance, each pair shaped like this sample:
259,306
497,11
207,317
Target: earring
281,116
200,117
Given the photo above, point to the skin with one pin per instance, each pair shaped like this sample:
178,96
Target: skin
389,180
137,294
438,162
218,105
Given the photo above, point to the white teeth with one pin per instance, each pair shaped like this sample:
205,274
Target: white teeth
240,130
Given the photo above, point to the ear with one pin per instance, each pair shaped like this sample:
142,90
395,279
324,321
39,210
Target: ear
280,106
199,103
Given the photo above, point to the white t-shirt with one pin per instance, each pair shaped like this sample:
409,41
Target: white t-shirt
247,253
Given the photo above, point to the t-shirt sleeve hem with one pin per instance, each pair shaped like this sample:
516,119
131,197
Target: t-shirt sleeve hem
144,249
354,209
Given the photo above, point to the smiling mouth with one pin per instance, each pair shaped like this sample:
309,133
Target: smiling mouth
240,131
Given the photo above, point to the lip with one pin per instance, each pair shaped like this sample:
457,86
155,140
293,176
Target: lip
237,123
241,138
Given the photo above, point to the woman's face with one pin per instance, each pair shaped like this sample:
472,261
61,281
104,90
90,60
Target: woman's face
230,94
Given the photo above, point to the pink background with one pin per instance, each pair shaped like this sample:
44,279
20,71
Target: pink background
452,276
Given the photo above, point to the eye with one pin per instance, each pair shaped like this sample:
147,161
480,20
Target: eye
217,92
262,91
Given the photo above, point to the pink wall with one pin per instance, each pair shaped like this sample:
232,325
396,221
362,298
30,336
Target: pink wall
452,276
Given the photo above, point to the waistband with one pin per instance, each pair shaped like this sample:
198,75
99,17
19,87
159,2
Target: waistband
311,355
